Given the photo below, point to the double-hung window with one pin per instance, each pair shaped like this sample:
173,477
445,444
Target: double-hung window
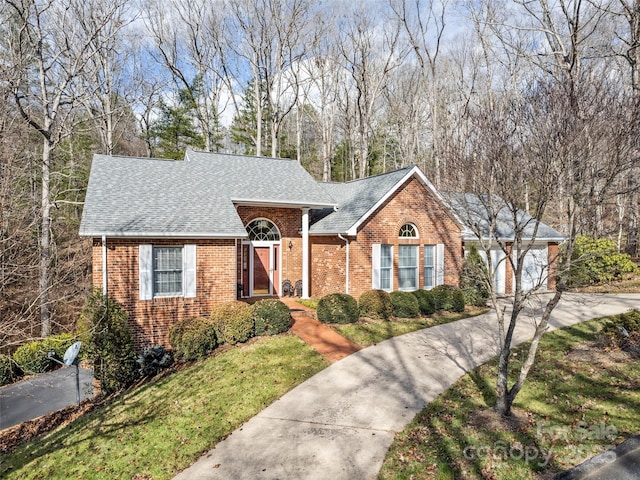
433,265
382,267
429,266
167,271
408,267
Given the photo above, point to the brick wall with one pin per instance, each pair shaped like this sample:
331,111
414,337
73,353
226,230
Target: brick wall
412,203
152,319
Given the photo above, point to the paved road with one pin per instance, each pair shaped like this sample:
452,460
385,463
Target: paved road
42,394
340,423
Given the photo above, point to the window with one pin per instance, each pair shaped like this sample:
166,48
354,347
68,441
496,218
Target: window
167,271
382,267
408,230
429,266
263,230
386,267
433,265
408,267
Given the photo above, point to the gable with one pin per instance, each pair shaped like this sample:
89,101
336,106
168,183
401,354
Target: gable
360,199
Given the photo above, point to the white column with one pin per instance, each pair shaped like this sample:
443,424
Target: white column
305,253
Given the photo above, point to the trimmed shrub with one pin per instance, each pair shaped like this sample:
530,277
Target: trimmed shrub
9,372
443,297
425,301
271,317
193,338
457,301
33,357
233,322
153,359
338,308
474,279
109,340
376,304
405,304
597,260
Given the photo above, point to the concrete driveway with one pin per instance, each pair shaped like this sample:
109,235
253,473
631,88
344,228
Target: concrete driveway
42,394
340,423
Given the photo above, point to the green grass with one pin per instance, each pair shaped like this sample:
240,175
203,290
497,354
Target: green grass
160,428
370,333
309,302
571,408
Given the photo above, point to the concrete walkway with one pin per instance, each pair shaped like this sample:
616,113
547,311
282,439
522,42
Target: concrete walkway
340,423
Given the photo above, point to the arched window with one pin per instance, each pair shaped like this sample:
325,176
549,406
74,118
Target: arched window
263,230
408,230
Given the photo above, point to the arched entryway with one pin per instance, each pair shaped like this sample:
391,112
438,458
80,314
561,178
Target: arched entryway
261,259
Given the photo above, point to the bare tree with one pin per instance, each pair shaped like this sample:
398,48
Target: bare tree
46,55
271,42
371,51
424,24
104,78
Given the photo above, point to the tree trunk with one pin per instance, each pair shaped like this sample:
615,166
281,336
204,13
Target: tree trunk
45,239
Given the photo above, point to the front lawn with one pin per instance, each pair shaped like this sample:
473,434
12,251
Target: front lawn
162,427
578,401
369,332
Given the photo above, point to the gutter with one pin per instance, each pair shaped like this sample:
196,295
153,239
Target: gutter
346,241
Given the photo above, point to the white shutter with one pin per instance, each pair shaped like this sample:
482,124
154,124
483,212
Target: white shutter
375,266
440,264
145,263
189,269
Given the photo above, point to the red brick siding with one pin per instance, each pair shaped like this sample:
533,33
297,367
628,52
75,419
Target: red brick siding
413,203
152,319
552,256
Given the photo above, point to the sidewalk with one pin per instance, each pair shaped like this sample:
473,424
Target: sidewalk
340,423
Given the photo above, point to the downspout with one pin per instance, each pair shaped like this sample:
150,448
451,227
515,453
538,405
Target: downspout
346,241
104,266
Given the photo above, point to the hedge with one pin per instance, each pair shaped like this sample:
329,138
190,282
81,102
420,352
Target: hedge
33,357
193,338
405,304
233,322
271,317
338,308
376,304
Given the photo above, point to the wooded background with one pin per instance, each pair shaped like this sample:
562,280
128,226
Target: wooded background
537,97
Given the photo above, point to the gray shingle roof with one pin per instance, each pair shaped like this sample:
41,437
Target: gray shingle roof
474,211
192,197
355,199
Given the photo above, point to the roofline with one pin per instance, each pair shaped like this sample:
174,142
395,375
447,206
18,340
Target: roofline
176,235
283,204
512,239
353,230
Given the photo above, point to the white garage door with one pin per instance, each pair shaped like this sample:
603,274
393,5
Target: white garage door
534,268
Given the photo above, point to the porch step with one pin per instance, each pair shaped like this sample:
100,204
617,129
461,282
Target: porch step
326,341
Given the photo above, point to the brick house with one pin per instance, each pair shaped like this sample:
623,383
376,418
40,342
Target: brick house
173,238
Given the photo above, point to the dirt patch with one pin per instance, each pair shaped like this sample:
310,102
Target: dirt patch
488,419
595,354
